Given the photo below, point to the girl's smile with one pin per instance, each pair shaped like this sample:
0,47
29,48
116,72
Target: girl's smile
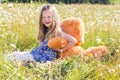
47,19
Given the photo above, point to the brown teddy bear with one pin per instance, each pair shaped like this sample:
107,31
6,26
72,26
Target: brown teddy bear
75,27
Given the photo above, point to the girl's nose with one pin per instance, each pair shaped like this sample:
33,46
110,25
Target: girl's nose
46,19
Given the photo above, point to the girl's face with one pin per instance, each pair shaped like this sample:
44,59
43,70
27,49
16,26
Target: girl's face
47,19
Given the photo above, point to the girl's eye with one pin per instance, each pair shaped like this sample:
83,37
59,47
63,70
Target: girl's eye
49,16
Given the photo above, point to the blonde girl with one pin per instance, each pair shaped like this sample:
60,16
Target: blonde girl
49,27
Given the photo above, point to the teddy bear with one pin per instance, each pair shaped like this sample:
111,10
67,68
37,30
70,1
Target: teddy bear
75,27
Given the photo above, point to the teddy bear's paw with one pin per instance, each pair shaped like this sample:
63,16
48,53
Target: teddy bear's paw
96,52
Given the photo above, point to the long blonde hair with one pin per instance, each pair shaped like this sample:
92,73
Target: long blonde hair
55,27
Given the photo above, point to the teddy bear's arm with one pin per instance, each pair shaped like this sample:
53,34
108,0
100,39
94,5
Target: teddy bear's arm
57,43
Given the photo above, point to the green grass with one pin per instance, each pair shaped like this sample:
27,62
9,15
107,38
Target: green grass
18,32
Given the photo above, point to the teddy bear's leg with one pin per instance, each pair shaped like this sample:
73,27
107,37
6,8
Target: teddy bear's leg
96,52
72,52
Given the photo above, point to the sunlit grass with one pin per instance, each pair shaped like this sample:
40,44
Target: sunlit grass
18,32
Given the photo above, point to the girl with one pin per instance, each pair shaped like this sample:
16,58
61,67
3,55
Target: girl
49,27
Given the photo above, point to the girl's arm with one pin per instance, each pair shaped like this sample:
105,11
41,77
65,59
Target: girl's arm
71,40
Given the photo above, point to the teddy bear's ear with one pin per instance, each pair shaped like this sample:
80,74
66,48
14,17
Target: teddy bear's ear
66,23
77,22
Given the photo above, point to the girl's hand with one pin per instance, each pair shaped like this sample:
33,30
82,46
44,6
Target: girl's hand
59,50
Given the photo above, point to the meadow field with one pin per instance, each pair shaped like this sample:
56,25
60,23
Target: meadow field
18,32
